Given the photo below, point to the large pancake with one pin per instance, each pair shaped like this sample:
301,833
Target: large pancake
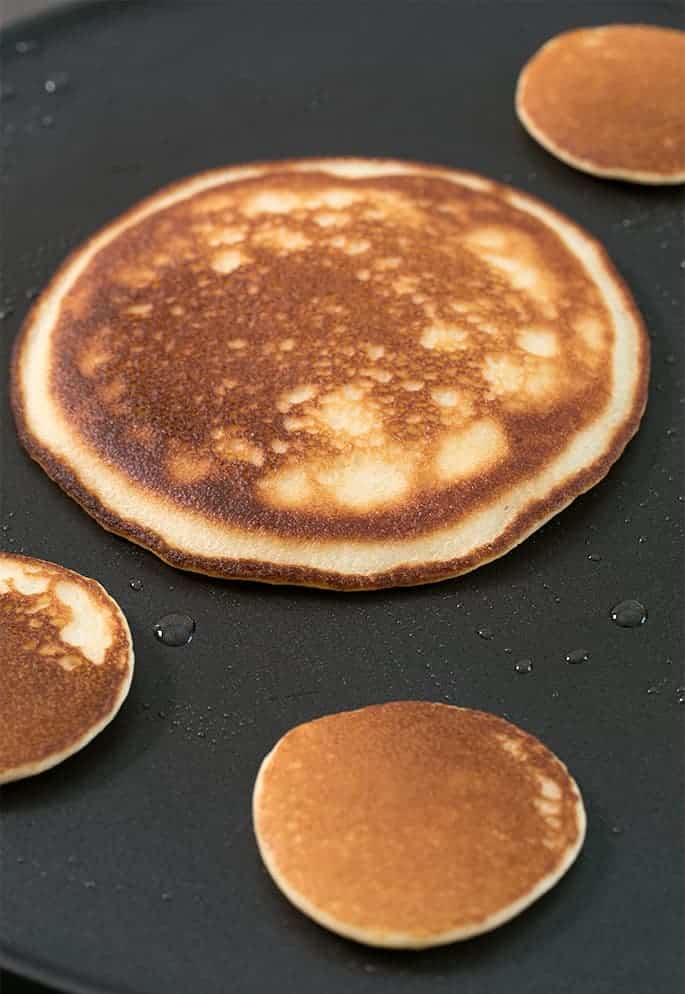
345,373
610,101
66,663
414,824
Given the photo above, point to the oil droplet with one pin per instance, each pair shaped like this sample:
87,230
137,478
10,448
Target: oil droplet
26,46
89,884
508,651
671,432
616,830
485,633
135,584
6,311
577,656
629,614
57,82
670,359
47,121
680,695
31,293
594,557
166,896
175,629
642,539
524,666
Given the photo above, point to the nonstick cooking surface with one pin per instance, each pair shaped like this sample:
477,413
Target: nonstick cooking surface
132,866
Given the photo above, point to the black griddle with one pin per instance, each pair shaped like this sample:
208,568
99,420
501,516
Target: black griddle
132,867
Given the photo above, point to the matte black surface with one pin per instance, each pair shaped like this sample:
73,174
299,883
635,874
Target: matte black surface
132,866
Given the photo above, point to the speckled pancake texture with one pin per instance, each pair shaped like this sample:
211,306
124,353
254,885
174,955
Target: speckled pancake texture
66,663
414,824
610,101
345,373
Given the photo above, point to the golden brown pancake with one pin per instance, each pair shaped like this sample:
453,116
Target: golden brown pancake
414,824
610,101
66,663
344,373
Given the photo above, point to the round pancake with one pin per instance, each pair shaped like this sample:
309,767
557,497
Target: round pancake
610,101
343,373
66,663
414,824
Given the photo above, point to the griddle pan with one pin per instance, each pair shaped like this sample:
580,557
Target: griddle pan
132,867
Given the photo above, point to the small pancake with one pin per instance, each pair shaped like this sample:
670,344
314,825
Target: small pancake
342,373
610,101
66,663
414,824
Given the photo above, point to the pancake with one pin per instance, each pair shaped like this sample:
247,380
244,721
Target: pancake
610,101
66,663
414,824
342,373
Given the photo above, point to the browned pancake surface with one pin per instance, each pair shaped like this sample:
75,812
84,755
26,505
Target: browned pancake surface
325,356
414,818
54,692
612,97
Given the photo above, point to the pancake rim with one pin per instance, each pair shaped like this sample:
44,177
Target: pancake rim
531,514
30,769
645,176
403,940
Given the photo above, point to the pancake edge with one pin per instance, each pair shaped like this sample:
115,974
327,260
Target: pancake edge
404,940
31,769
529,521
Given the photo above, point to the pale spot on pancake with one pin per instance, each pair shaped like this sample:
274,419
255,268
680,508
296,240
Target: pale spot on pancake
363,482
87,630
23,579
363,275
538,341
412,386
504,373
139,310
279,446
296,424
445,396
232,447
112,391
287,345
350,246
549,788
474,449
444,337
325,220
271,202
177,310
237,344
405,285
511,745
542,384
375,351
379,375
346,411
135,277
298,395
289,487
545,806
230,235
591,331
186,465
69,662
283,238
228,260
93,355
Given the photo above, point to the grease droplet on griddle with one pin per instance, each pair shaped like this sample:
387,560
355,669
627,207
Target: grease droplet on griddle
577,656
524,666
56,83
485,632
135,584
175,629
594,557
26,46
680,695
629,614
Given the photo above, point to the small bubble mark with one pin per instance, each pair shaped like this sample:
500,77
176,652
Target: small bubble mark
57,82
26,46
136,585
175,629
629,614
680,695
524,666
485,633
594,557
577,656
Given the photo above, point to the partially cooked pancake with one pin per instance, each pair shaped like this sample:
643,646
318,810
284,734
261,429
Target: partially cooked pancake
66,663
344,373
413,824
